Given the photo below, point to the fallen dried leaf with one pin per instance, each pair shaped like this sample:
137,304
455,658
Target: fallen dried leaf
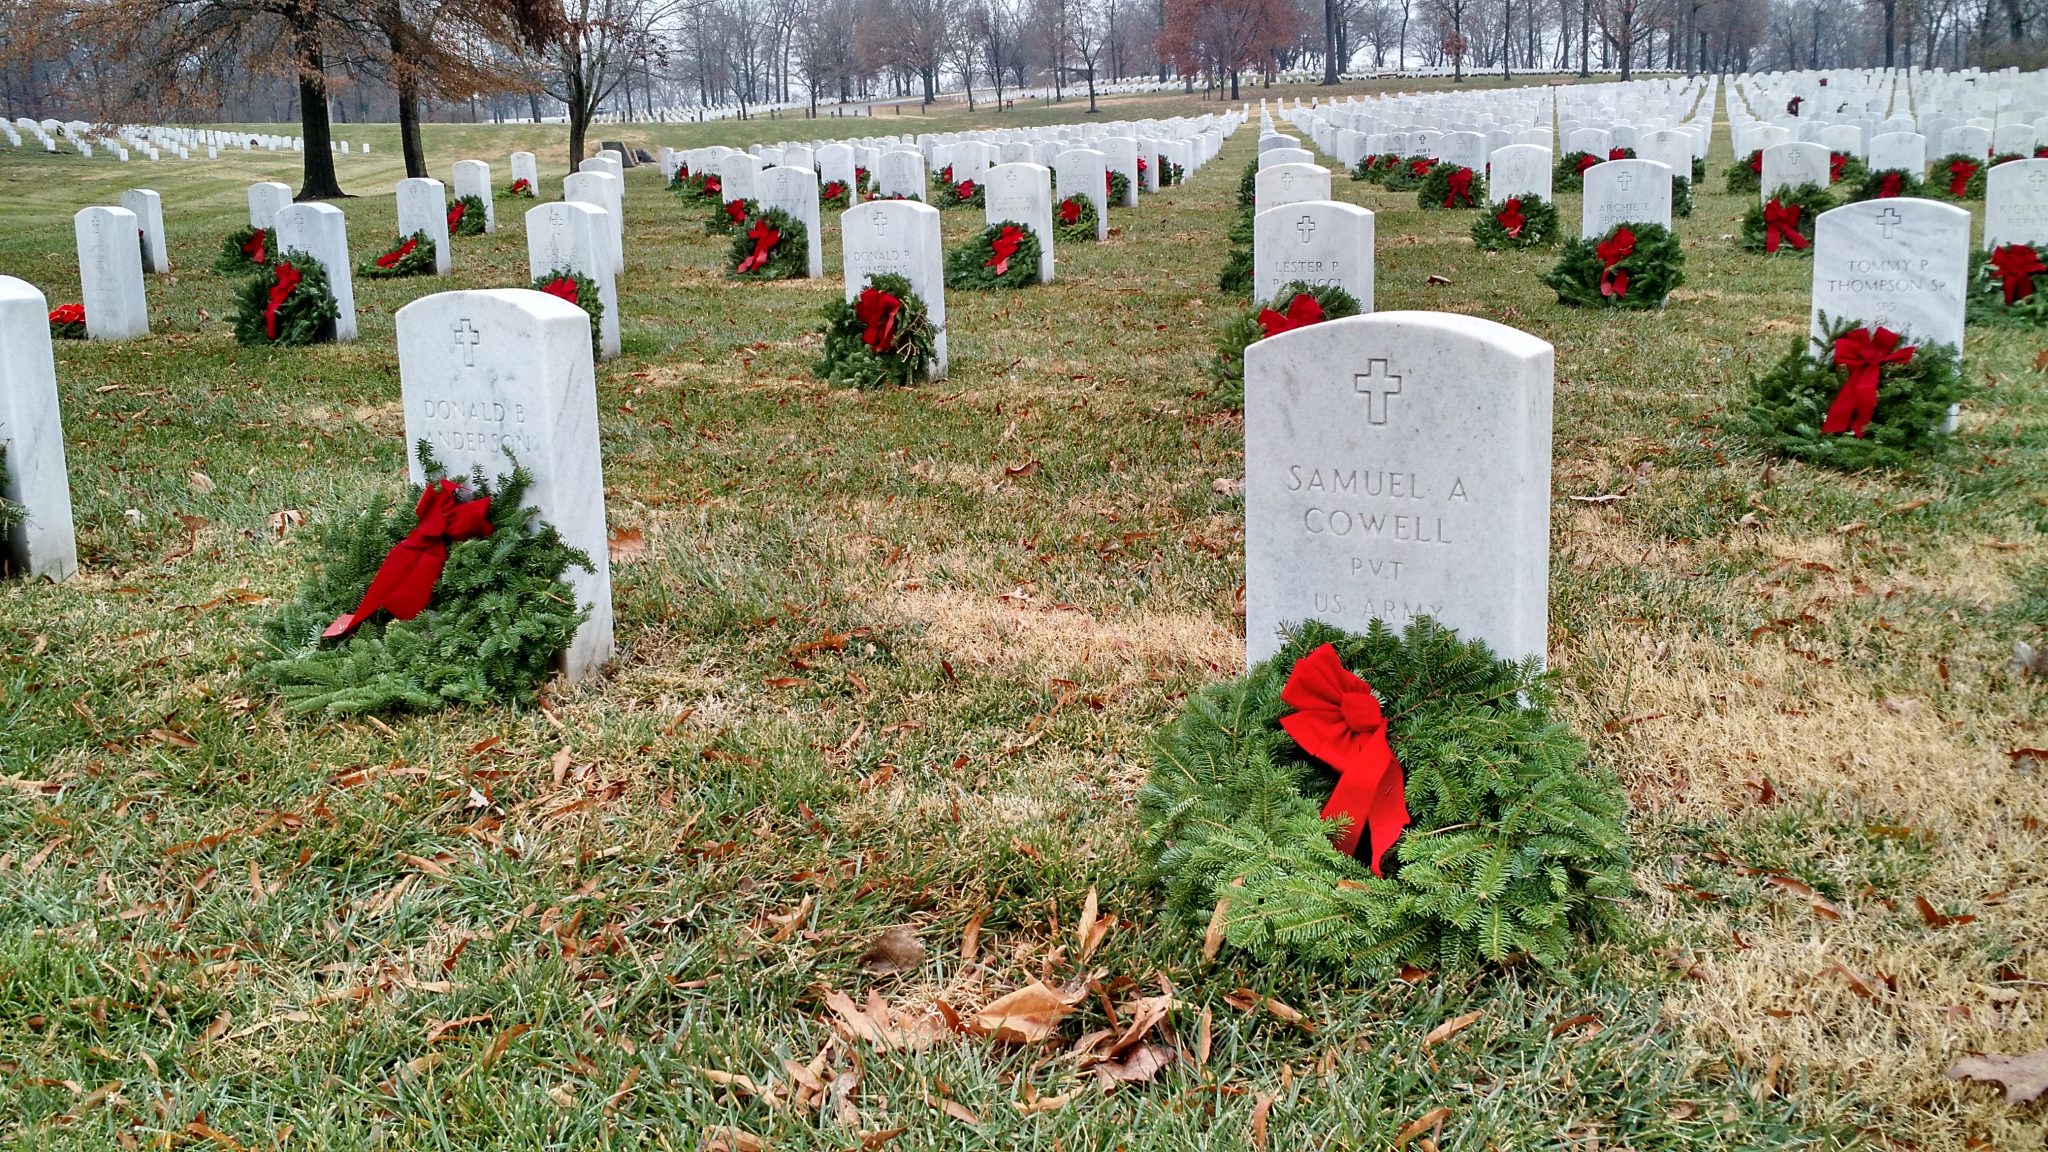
628,546
1026,1016
1936,918
2025,1077
1261,1109
1434,1118
896,951
720,1138
960,1112
1450,1028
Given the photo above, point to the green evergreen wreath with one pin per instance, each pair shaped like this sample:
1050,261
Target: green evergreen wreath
418,262
1436,188
1244,330
1567,176
1515,846
233,261
1871,187
705,188
1812,200
588,298
947,194
1790,401
1940,177
1170,173
523,189
1746,175
499,613
850,363
1085,219
306,316
1699,169
2005,158
67,322
1844,168
1247,188
1373,168
1987,295
720,222
12,515
472,222
1118,184
1236,276
967,267
835,194
1409,174
1656,267
1681,196
1539,226
789,259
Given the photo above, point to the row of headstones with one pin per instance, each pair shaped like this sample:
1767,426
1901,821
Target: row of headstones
150,142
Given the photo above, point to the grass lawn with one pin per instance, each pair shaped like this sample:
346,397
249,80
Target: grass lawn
879,671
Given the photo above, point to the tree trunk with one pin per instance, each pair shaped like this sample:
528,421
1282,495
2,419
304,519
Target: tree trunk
320,182
1329,41
1585,36
1233,84
1507,39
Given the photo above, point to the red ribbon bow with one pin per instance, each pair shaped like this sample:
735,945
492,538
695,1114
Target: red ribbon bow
405,581
1587,161
455,214
68,314
1004,246
736,211
520,186
1836,163
1614,281
1959,173
1756,161
390,259
1461,188
765,239
288,279
1302,311
563,287
2016,265
878,310
1420,166
1892,184
1864,353
946,174
834,190
1070,210
713,184
1511,217
1781,223
1337,720
1617,154
257,247
965,190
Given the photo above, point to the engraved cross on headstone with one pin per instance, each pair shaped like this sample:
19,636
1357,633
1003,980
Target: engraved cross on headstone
1287,181
1379,385
1307,227
2037,178
1888,220
467,337
1623,179
881,221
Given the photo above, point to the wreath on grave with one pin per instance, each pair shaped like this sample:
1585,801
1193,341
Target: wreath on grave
1003,255
1699,169
1143,168
1169,172
1247,188
1846,169
466,216
1886,183
67,322
1783,225
523,188
1570,173
450,601
835,194
1856,397
1517,222
1410,175
1747,176
773,247
860,177
1450,186
1958,177
2005,158
882,336
705,189
1373,167
1297,305
1486,837
1116,185
577,289
287,304
1236,276
951,195
2002,286
413,255
1681,196
1632,266
248,248
1074,219
12,515
730,216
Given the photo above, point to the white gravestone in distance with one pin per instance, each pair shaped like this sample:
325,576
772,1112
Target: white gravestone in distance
423,207
1901,263
524,168
1900,151
321,231
1021,193
1084,172
1793,164
492,375
1269,142
1465,149
149,214
1625,192
570,236
795,191
736,173
1120,153
836,166
1398,465
597,189
1318,242
1967,139
264,200
473,178
110,274
1276,156
1290,184
900,172
898,238
2016,204
1519,170
32,432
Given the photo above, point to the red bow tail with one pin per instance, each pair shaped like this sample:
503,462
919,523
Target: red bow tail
256,248
765,239
1892,185
390,259
1959,173
455,215
1511,217
1004,246
288,279
405,581
1781,223
878,310
562,287
1338,720
1461,188
1302,311
1864,353
2016,265
1614,280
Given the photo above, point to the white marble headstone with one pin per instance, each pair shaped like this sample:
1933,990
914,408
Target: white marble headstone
1084,172
1273,157
149,213
1519,170
1317,242
32,473
736,175
1625,192
1792,164
525,168
572,236
900,172
1901,263
601,189
1902,151
473,178
423,207
265,199
898,238
1021,193
795,191
321,231
1290,184
1120,153
110,274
